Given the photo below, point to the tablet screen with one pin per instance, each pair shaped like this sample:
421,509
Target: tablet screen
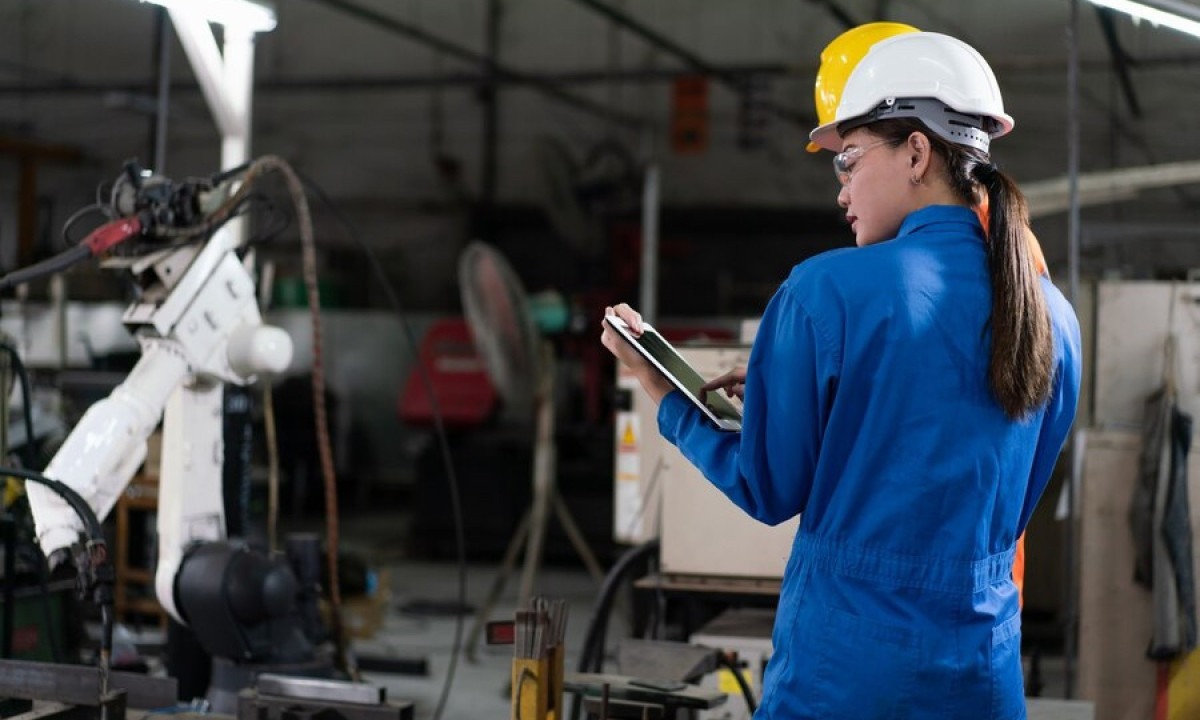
660,351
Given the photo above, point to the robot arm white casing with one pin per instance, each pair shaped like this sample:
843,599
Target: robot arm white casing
218,337
108,445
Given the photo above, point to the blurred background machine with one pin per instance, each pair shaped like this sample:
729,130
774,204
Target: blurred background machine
658,493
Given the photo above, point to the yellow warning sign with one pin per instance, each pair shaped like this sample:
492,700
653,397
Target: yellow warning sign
628,439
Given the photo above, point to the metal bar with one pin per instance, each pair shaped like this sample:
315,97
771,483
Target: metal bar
491,123
300,688
403,82
648,296
733,81
162,67
1120,60
838,12
208,66
80,684
9,528
546,87
1071,590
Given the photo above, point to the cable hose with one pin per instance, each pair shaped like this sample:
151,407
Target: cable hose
724,661
591,655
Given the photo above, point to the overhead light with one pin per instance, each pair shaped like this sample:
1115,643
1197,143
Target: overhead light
246,14
1168,13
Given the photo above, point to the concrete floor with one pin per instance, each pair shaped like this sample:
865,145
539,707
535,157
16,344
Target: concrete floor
480,688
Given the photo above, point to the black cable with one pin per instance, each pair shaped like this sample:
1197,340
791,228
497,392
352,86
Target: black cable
67,493
79,215
439,430
30,461
30,458
43,566
49,266
725,661
102,567
591,656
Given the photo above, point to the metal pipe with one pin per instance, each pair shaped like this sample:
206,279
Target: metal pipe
1120,60
734,82
402,82
1071,591
491,123
162,66
412,32
648,298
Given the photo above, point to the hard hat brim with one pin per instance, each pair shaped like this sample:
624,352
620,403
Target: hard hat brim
825,137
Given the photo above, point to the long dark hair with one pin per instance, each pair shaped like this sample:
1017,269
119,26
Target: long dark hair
1021,371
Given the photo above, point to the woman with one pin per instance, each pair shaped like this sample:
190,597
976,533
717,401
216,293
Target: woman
909,397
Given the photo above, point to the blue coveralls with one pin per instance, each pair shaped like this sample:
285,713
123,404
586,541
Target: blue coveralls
868,409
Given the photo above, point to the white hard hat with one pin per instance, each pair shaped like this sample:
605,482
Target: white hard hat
933,77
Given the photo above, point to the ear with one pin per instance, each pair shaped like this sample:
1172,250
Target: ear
920,155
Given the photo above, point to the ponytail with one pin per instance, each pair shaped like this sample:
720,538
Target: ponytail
1021,368
1022,361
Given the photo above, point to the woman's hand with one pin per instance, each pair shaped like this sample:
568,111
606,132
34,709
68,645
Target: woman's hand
651,379
732,382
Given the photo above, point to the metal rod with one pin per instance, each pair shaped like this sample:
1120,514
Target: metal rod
1120,60
837,11
8,527
162,63
412,32
648,298
1071,591
491,123
471,81
733,81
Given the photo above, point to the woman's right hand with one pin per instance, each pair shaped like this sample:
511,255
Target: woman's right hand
732,382
655,384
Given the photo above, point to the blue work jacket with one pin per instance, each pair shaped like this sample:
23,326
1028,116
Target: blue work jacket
868,410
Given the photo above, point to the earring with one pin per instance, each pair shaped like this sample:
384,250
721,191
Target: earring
915,180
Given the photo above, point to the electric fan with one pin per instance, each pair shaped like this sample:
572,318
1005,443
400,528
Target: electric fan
520,364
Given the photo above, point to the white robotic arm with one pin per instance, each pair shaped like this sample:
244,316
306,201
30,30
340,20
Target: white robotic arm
199,326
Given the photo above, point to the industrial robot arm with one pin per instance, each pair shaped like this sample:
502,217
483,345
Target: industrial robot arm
198,324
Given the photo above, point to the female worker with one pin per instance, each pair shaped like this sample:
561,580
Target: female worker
909,397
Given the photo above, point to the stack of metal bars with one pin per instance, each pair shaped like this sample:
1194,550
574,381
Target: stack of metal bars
538,660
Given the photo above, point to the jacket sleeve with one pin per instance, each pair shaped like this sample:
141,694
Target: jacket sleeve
1059,414
766,469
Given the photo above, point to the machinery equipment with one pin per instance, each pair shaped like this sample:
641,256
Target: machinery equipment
197,321
658,493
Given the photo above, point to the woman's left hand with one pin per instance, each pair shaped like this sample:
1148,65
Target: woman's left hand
655,384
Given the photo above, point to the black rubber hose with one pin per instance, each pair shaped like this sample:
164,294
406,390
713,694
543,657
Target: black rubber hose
66,492
591,656
30,457
49,266
747,693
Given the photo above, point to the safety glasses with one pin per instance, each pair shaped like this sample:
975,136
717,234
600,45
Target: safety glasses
844,162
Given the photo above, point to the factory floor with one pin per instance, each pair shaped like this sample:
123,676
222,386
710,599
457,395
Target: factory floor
480,687
410,618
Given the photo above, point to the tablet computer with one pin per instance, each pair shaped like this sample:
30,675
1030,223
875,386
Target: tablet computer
659,352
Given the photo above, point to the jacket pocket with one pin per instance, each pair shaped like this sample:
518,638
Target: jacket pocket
866,668
1008,682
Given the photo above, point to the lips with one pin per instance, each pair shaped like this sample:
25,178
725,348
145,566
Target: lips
850,220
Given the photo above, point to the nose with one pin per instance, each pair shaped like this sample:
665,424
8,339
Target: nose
843,197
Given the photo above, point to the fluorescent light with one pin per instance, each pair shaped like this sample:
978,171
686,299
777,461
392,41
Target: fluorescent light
245,14
1175,15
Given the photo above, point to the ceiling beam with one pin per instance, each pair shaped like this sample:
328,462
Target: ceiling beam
359,83
1121,61
693,60
546,87
838,12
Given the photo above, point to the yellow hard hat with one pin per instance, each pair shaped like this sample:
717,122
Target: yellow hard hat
839,59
